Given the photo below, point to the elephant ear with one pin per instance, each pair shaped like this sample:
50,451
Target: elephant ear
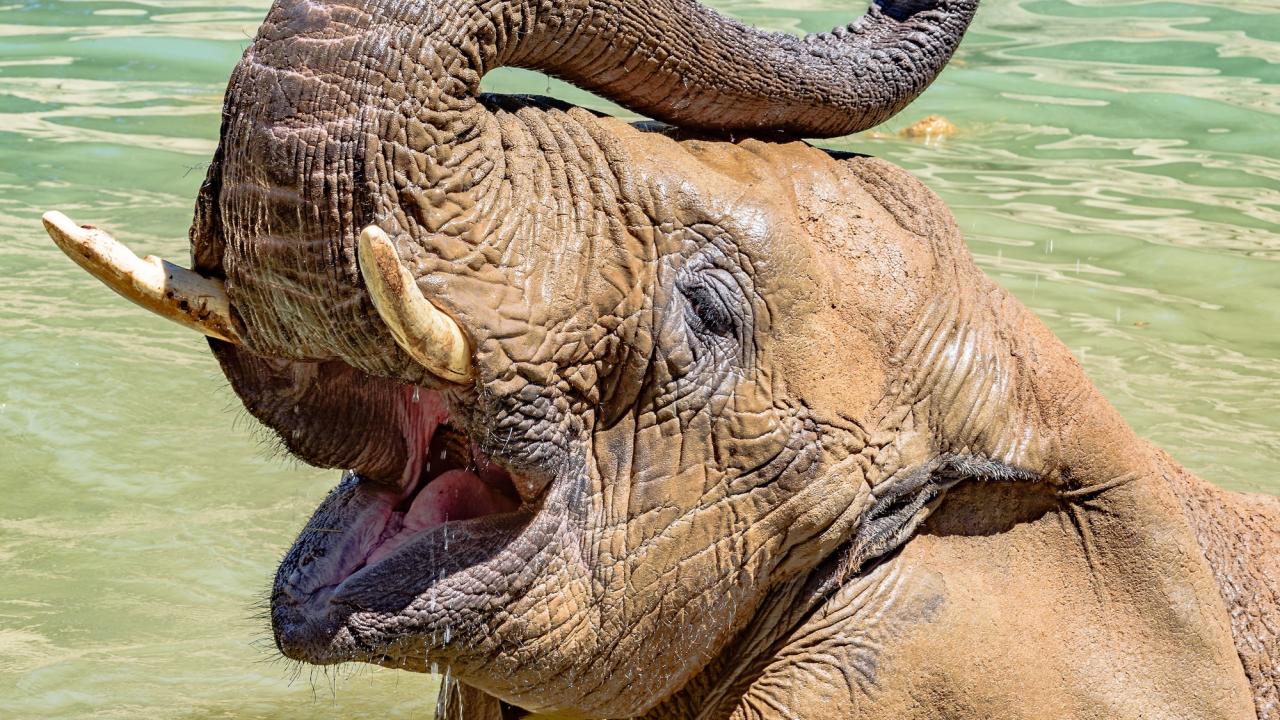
902,504
677,61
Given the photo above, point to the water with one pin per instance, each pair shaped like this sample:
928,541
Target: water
1117,168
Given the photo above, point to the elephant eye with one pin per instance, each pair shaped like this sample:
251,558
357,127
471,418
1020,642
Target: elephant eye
714,303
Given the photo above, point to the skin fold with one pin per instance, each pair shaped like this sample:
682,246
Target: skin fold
776,447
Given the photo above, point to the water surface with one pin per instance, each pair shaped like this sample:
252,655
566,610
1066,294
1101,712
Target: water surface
1117,168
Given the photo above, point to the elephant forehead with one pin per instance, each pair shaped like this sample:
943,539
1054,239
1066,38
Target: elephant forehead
741,186
811,225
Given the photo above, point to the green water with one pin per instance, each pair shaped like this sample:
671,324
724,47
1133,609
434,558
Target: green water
1118,167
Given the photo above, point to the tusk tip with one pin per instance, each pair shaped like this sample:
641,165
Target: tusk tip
53,219
60,226
176,293
428,334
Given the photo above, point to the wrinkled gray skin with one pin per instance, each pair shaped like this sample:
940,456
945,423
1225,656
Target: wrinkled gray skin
732,377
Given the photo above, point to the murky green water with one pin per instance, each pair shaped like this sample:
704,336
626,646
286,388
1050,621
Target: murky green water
1118,168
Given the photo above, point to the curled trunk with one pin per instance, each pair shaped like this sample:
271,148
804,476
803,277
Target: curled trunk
683,63
345,114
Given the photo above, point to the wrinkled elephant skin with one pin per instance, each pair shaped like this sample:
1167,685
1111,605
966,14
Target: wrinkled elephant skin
688,419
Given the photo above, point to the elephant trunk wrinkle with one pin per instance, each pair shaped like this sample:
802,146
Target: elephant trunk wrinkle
341,116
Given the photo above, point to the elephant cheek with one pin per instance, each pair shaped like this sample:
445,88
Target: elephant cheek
831,508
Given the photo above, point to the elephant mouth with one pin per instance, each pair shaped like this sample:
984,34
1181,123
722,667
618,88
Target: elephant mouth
431,497
448,479
453,507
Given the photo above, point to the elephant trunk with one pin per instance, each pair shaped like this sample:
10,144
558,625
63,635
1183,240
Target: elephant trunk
683,63
355,112
677,61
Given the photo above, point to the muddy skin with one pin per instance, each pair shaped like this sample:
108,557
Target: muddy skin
749,435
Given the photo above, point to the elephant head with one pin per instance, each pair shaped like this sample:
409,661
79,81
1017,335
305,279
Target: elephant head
606,395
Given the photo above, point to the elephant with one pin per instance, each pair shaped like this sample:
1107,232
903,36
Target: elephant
685,418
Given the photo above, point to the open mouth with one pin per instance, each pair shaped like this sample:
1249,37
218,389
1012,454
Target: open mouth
427,464
448,480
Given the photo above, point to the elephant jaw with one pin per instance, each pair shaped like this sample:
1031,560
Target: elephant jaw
452,506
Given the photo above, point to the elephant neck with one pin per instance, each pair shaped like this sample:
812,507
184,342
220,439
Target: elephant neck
1041,593
763,671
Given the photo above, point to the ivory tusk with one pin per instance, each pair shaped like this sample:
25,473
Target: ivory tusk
424,331
165,289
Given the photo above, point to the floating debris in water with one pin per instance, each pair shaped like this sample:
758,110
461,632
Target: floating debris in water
932,129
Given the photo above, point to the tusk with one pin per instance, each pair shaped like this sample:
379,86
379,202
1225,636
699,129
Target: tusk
424,331
165,289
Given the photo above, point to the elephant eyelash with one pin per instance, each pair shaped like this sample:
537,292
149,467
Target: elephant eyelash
706,295
711,312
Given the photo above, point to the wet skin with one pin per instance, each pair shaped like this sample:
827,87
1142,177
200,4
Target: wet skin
742,431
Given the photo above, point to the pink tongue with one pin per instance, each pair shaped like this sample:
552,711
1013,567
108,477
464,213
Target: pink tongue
454,495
